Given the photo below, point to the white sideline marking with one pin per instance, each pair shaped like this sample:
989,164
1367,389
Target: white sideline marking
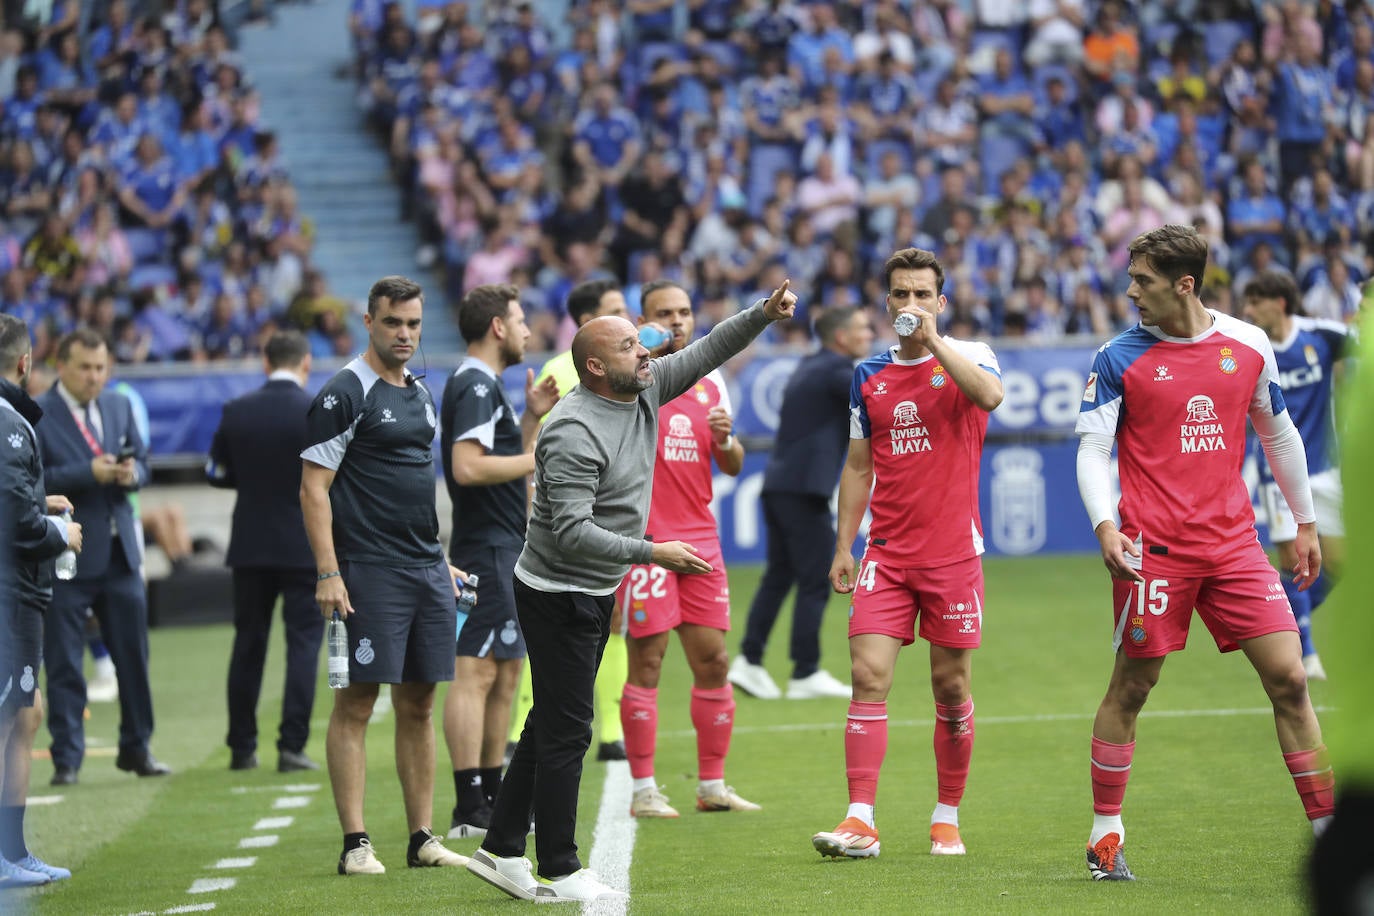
245,862
192,908
210,885
258,842
274,823
45,799
997,720
291,801
382,707
293,787
613,841
302,787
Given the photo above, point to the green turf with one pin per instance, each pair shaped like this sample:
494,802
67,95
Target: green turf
1214,824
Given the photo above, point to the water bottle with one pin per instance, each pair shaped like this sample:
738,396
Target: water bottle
66,562
336,635
467,600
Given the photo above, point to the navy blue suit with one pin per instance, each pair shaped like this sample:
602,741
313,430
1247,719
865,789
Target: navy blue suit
808,453
108,579
256,450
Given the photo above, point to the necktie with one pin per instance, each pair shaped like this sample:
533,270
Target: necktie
87,426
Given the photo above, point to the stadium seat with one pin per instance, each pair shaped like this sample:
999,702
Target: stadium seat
996,153
1158,39
651,52
146,275
146,245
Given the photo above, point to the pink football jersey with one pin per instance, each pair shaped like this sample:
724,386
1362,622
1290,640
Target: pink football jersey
1177,409
680,508
927,443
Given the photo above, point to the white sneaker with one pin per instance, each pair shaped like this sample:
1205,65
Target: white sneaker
1312,664
361,861
651,802
433,853
581,885
103,687
814,686
753,679
514,876
725,799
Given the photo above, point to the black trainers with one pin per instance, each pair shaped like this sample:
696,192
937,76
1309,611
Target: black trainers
1106,861
611,750
470,825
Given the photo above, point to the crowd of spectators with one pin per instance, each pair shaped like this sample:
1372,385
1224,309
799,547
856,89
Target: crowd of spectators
729,144
140,193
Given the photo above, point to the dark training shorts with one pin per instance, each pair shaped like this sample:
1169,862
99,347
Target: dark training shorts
23,647
401,630
492,629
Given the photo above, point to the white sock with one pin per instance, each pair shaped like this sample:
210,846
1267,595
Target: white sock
711,787
862,812
1319,824
945,814
1104,824
646,783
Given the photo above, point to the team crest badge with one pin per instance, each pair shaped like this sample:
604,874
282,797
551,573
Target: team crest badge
26,679
1310,352
703,396
938,377
365,653
1228,363
1137,631
509,634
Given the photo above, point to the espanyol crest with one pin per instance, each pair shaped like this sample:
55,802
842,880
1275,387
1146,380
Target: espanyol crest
365,653
26,679
1018,501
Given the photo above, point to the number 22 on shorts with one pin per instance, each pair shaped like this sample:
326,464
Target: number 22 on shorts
647,581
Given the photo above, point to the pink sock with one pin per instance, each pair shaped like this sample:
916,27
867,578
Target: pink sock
1315,780
1111,767
639,719
953,750
713,716
865,745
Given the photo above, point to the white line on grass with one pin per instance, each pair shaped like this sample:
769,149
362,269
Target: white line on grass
210,885
613,841
34,800
274,823
258,842
992,720
291,801
192,908
243,862
302,787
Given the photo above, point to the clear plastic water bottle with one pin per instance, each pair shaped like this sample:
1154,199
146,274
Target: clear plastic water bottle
65,568
336,636
467,596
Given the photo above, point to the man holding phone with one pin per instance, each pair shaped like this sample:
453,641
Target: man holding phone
93,453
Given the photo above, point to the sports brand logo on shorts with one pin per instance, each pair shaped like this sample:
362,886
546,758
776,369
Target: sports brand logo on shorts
908,433
1200,431
938,377
1228,363
26,679
365,653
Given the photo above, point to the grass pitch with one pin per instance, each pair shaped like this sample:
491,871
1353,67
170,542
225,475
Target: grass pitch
1213,822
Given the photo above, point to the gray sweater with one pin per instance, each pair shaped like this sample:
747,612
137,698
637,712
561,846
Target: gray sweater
594,466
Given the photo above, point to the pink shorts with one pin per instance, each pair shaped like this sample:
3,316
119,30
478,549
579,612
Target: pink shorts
948,600
1152,617
655,600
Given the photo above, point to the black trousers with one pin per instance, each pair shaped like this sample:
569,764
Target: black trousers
256,590
801,543
120,604
565,633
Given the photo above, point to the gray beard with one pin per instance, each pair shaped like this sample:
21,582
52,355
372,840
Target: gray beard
627,383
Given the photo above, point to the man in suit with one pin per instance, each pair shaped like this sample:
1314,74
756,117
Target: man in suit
93,453
256,451
808,452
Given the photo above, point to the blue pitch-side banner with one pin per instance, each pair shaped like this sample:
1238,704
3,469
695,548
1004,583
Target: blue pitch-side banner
1043,387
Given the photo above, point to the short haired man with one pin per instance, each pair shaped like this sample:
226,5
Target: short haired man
1192,376
488,454
93,453
808,453
588,300
1306,352
919,417
256,451
35,535
593,460
694,429
367,493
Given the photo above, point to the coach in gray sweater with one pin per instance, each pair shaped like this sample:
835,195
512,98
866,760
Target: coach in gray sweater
594,466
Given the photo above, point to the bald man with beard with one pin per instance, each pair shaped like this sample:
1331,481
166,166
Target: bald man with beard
594,465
